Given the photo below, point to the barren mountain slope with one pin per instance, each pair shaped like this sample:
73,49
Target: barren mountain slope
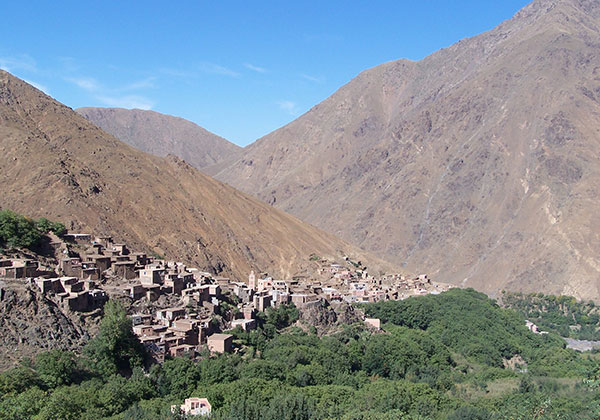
31,323
161,135
55,163
479,164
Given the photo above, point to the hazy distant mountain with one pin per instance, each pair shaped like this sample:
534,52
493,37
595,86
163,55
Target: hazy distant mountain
479,164
56,164
161,134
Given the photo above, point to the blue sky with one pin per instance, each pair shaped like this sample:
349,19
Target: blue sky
238,68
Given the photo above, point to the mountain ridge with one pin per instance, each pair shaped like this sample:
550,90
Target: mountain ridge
57,164
161,134
477,164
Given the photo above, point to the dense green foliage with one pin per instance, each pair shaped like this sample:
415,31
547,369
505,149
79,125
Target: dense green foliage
115,349
17,231
563,315
441,357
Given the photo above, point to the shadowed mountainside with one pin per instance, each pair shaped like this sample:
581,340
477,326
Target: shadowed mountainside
161,135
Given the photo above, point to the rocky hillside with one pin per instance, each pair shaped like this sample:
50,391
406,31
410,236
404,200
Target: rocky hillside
161,135
479,164
54,163
31,323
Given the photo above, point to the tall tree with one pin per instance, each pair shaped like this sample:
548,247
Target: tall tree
115,349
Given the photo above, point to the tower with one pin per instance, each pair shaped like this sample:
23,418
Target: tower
252,280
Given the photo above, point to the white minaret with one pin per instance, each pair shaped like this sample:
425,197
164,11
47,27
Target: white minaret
252,280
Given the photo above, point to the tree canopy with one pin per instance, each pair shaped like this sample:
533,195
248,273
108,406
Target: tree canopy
445,366
18,231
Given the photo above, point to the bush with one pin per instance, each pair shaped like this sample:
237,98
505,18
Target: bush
470,413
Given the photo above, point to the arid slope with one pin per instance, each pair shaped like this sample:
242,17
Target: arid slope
55,163
479,164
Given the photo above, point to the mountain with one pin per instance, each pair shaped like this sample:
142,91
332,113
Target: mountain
161,135
478,164
54,163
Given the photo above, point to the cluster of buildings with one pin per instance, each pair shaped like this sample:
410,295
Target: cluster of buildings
74,293
187,328
90,270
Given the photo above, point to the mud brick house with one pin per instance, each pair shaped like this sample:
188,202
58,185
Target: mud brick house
152,275
220,343
17,268
244,324
125,269
102,262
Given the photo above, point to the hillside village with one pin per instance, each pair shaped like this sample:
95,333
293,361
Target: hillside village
179,310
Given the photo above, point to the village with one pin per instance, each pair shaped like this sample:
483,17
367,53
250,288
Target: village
174,307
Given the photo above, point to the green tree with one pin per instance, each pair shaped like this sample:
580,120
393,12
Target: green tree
22,406
116,348
17,380
17,231
55,367
44,226
62,405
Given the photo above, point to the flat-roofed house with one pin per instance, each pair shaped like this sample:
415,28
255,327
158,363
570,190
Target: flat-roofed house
125,269
78,238
152,275
18,269
45,285
193,407
182,350
138,319
262,301
136,291
299,299
143,330
245,324
373,322
248,312
170,314
174,283
103,262
220,343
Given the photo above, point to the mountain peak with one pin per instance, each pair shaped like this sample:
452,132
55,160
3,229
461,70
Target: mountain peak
540,8
478,164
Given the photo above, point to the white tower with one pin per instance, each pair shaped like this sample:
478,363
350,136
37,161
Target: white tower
252,280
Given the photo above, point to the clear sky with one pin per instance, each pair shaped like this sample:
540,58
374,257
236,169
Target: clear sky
238,68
